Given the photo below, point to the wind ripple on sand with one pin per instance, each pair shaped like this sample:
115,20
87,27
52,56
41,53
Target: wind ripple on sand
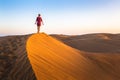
53,60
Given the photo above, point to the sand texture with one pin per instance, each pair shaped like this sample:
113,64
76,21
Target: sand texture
14,63
53,60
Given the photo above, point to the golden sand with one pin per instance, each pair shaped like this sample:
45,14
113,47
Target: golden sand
53,60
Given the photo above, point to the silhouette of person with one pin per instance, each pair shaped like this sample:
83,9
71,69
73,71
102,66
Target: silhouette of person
38,22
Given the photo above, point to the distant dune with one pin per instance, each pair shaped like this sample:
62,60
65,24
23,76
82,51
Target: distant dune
85,57
100,43
53,60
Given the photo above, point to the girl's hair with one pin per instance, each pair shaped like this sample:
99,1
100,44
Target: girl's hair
38,14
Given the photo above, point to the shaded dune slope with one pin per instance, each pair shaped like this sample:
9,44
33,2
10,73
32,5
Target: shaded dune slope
100,43
14,63
53,60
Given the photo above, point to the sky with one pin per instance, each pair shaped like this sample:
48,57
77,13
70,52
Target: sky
72,17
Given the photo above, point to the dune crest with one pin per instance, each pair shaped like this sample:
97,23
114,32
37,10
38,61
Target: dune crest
53,60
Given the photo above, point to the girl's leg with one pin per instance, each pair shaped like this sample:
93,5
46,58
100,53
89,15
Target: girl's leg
38,29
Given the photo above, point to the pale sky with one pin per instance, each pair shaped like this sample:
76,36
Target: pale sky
72,17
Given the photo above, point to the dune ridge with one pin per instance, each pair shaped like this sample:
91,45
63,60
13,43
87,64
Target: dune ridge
50,57
53,60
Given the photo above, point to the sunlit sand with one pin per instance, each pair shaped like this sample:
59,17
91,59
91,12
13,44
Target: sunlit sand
53,60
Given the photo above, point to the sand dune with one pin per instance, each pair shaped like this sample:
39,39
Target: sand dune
14,63
53,60
99,43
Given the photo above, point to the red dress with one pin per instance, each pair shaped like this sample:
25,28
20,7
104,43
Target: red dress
39,20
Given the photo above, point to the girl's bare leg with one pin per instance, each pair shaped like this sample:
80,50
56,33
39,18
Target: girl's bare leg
38,29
